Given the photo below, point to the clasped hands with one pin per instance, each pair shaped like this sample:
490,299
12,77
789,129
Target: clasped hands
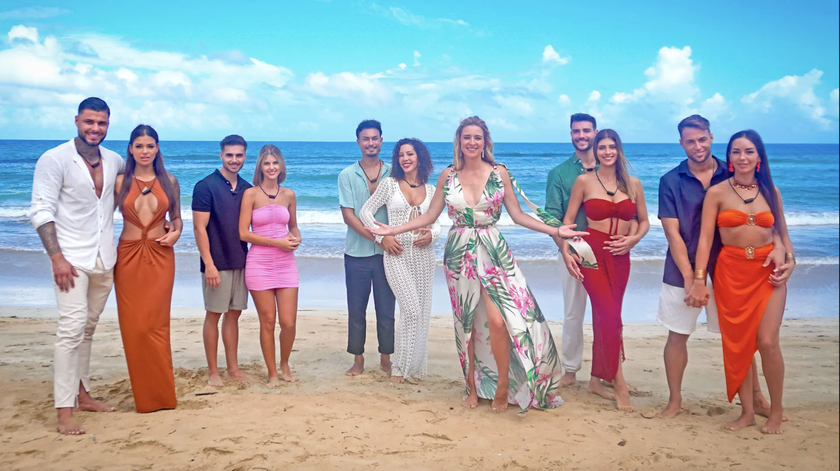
290,243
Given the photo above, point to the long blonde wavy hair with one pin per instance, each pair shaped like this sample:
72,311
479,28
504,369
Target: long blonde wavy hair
457,155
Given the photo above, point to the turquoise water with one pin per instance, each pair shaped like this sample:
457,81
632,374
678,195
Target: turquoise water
807,175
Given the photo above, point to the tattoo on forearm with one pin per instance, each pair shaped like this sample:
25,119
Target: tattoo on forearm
49,238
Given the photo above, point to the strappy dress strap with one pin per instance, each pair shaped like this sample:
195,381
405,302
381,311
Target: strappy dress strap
579,245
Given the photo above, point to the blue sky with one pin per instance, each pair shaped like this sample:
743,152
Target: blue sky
311,70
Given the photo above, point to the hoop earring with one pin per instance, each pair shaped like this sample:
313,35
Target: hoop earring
758,167
731,168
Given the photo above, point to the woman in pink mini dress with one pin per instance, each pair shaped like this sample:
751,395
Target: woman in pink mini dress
268,222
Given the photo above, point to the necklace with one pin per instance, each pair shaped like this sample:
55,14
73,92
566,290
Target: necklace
741,186
748,200
378,173
409,184
93,165
610,193
146,190
271,197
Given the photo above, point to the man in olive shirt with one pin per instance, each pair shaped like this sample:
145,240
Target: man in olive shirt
558,190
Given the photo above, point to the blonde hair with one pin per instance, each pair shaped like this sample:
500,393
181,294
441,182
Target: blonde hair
457,155
269,149
623,171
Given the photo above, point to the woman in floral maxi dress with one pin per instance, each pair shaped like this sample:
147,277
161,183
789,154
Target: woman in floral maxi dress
504,343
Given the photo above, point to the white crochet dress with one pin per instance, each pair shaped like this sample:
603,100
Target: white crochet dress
410,275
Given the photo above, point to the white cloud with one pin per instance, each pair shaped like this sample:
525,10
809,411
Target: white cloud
417,56
595,95
835,103
714,107
791,90
550,56
408,18
360,88
23,32
515,104
564,100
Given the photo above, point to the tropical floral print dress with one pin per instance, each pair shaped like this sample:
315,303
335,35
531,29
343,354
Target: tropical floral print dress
477,256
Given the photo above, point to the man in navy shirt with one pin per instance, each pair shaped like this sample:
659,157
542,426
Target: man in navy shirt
681,194
215,207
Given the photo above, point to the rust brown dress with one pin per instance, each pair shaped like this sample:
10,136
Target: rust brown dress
143,279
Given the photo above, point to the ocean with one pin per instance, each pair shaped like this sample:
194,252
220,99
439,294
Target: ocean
807,175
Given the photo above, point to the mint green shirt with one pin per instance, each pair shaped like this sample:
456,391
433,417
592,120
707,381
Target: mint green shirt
558,190
353,192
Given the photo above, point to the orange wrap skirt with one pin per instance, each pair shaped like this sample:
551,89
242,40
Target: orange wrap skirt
742,291
143,279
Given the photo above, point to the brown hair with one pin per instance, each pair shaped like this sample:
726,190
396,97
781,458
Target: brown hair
622,166
269,149
458,156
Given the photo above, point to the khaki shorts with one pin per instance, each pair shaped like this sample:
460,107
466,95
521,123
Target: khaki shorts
677,317
231,295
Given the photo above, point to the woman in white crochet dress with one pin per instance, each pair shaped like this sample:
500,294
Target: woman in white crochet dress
407,195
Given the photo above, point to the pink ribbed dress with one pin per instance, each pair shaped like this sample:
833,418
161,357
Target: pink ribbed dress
269,267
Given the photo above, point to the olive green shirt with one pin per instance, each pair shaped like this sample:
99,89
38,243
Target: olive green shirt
558,190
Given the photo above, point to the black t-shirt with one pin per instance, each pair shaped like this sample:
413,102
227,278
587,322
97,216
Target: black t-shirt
215,195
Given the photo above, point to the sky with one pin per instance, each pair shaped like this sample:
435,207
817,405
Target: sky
310,70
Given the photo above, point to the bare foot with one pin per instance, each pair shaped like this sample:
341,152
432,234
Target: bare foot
622,400
762,408
471,402
67,424
239,376
215,381
385,363
500,400
567,379
670,411
273,382
611,384
396,379
90,404
287,374
773,426
595,387
358,366
741,422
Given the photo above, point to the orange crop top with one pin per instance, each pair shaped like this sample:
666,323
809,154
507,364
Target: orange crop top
736,217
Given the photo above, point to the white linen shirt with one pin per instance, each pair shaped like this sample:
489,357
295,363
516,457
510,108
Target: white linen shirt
63,192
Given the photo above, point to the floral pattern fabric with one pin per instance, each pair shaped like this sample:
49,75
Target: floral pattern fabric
477,256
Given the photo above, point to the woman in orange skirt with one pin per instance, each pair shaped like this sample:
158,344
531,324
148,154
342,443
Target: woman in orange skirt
750,275
145,270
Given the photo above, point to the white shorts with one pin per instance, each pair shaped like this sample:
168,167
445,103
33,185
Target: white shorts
677,317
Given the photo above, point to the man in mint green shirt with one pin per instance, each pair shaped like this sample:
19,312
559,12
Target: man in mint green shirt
558,190
363,261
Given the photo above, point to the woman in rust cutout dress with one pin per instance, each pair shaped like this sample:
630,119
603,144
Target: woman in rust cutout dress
145,270
750,275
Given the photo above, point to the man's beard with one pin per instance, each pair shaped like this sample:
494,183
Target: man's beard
82,137
586,149
700,161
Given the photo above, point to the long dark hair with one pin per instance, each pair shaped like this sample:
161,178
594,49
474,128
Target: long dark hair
623,170
160,171
424,160
763,177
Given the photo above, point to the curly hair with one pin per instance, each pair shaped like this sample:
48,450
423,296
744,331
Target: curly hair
424,160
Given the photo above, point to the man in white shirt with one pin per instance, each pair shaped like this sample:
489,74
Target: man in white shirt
73,212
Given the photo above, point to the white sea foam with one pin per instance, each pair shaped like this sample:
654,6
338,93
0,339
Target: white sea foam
329,217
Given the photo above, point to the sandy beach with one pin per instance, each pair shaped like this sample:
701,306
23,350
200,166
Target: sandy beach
330,421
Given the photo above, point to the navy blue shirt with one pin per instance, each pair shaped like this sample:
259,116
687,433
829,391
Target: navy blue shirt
215,195
681,197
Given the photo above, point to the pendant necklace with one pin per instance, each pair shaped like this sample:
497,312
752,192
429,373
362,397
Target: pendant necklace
146,190
378,174
271,197
750,186
409,184
93,165
610,193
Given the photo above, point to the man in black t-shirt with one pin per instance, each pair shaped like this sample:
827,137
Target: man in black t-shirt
215,207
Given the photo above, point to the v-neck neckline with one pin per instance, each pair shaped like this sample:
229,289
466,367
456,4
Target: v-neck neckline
481,195
426,190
